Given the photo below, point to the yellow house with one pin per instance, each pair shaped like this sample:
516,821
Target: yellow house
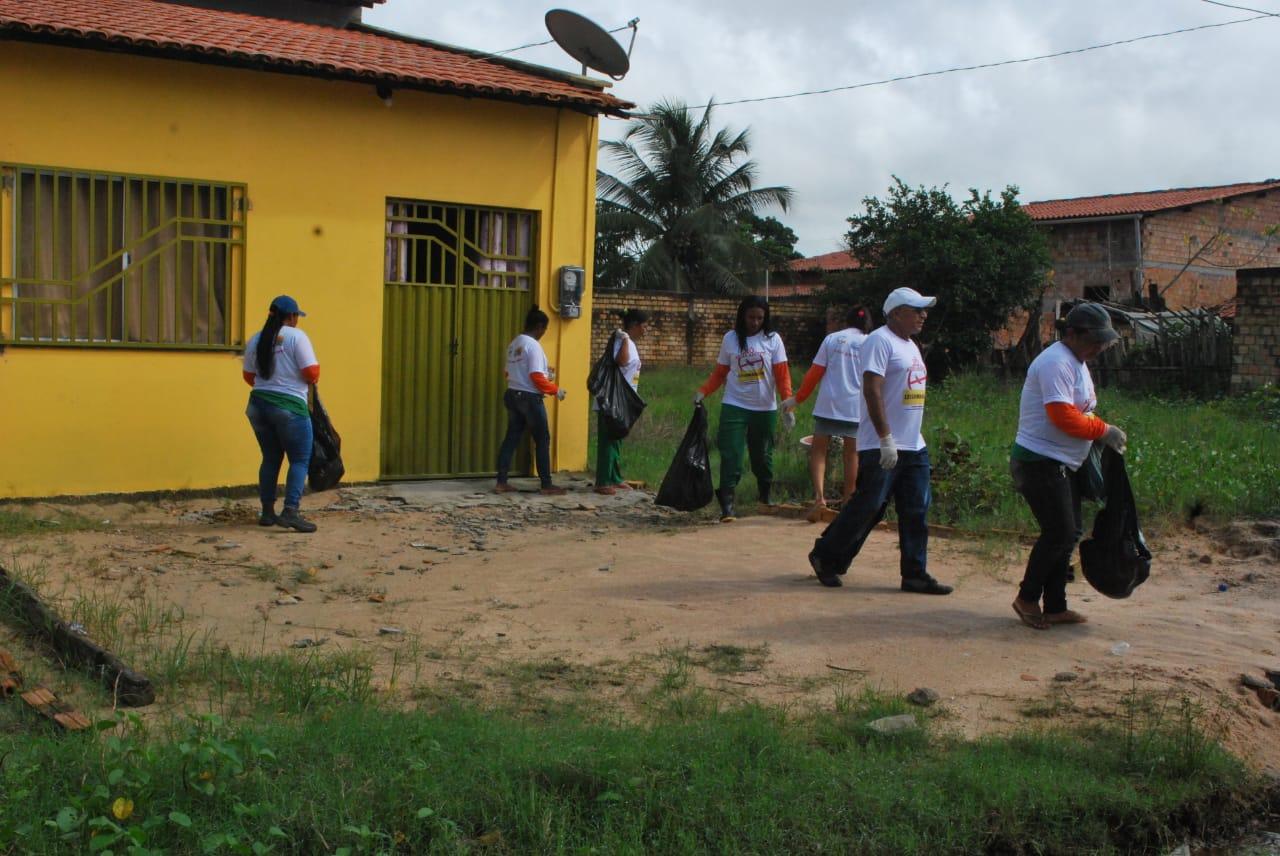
166,168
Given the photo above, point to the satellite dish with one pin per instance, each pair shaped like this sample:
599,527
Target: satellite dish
588,43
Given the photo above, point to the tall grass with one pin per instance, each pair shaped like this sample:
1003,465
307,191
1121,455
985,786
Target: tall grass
1220,457
359,779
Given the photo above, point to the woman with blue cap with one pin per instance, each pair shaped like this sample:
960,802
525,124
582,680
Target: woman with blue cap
280,365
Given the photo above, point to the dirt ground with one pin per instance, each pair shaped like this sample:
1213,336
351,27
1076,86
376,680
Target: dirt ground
454,590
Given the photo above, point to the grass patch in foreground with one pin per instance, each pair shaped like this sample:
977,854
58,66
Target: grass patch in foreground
15,522
362,779
1221,456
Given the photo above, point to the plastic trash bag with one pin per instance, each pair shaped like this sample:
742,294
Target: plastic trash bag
326,468
620,405
1089,478
687,485
1115,560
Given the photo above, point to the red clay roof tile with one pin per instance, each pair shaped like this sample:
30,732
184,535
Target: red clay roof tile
1140,203
232,38
838,260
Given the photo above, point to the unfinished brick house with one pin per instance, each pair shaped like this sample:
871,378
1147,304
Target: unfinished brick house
1175,248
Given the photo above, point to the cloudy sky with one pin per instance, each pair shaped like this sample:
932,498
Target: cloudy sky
1197,108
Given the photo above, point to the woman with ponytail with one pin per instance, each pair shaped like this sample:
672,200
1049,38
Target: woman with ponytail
627,356
280,365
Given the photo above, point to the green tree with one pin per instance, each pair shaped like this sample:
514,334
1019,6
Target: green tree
773,240
983,258
675,203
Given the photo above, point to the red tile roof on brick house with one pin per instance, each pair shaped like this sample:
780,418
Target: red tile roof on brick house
1121,204
836,261
365,54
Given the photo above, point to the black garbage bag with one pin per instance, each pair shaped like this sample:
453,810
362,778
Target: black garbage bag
1115,560
1089,478
687,485
620,405
326,468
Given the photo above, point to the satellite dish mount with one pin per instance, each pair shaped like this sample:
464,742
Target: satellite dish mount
590,44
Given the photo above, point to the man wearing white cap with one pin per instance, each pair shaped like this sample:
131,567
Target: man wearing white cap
892,458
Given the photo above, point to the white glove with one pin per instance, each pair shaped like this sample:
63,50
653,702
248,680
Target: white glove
789,403
560,395
1116,439
788,420
698,396
888,453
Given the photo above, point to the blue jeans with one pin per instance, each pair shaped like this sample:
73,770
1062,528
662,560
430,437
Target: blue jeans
525,410
280,432
908,485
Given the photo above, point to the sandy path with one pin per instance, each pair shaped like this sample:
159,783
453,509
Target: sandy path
617,583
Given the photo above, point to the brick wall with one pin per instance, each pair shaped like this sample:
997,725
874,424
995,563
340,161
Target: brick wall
687,330
1255,358
1103,254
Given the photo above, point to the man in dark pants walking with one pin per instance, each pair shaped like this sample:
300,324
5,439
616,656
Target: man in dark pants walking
893,389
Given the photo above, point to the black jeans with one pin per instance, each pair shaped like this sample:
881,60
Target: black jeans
525,410
1053,494
907,485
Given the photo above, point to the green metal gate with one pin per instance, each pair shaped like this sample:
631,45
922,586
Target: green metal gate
458,282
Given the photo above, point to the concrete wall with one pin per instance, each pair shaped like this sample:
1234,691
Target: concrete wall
1255,358
319,158
676,339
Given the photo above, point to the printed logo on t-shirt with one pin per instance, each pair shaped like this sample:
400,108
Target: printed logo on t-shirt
917,377
750,366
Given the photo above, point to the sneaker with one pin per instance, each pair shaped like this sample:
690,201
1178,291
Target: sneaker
552,490
924,585
606,489
503,487
267,518
828,580
290,518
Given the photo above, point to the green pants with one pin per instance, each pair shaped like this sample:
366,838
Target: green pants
754,428
608,455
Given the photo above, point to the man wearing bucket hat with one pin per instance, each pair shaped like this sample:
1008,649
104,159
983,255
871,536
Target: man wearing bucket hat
1056,428
892,459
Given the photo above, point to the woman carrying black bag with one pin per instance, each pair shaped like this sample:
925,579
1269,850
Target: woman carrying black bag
1056,429
609,445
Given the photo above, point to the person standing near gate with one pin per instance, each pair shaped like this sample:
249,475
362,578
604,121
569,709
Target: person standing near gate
893,461
752,367
1056,428
527,383
838,368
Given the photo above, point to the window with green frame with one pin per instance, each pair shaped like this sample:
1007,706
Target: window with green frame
94,259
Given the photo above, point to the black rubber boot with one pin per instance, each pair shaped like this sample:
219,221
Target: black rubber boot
291,519
726,505
765,489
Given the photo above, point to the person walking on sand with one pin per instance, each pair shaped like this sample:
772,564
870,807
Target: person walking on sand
280,365
836,413
527,383
893,393
752,367
1056,427
626,354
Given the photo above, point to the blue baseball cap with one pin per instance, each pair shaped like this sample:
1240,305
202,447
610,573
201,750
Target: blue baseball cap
286,305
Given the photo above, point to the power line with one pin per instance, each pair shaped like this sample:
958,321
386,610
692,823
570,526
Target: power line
1242,8
549,41
954,69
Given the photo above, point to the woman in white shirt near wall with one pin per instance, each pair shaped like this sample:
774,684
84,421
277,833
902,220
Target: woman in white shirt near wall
752,367
280,365
627,355
838,368
1056,427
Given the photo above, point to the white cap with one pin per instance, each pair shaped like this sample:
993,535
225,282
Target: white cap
907,297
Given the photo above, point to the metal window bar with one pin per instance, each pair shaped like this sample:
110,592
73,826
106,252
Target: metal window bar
91,259
494,246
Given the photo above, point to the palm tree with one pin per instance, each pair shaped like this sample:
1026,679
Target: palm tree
679,194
